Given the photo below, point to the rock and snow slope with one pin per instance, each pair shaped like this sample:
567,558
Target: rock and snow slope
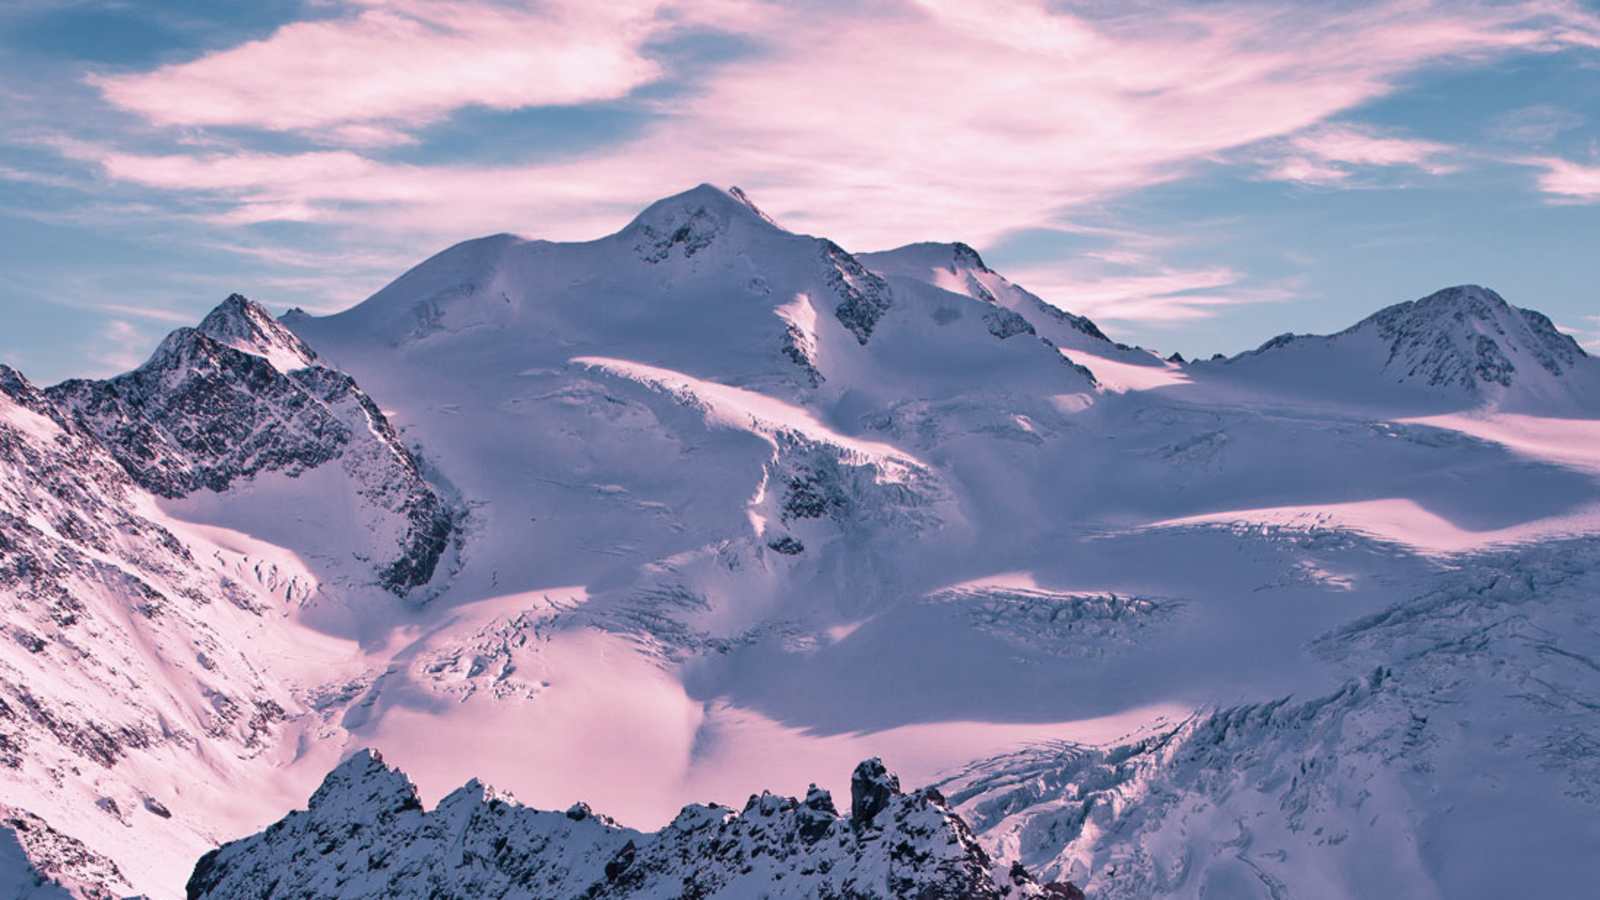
741,507
143,665
219,408
365,834
1463,346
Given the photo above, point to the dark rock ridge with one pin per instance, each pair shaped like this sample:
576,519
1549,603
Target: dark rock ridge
1466,337
1479,328
863,296
365,834
241,395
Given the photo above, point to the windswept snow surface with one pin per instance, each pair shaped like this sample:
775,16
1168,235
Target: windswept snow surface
733,508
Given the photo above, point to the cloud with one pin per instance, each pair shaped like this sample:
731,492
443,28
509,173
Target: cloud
1533,125
1158,295
1331,155
117,347
1588,334
154,313
363,78
1566,181
875,125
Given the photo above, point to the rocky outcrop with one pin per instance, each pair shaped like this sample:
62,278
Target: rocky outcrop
239,396
37,862
365,834
123,646
863,296
1465,338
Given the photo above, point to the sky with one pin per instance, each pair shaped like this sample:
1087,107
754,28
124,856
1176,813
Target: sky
1196,177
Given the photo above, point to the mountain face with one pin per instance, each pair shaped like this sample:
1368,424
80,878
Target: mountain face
1468,337
365,834
1460,344
131,654
241,396
705,508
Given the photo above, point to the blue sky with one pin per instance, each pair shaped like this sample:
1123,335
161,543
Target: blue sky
1196,177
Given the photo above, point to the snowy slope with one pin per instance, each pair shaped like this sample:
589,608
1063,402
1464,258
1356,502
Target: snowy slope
959,269
1460,765
741,508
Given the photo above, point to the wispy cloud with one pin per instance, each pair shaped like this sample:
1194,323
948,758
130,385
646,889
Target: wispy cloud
117,347
1566,181
874,126
154,313
362,79
1333,155
1587,334
1160,295
1533,125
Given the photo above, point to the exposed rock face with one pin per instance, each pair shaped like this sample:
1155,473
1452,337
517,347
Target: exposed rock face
220,404
118,644
1465,336
365,834
38,862
871,788
863,296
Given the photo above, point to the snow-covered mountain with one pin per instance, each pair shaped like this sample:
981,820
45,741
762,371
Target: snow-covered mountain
1461,346
143,664
365,834
219,408
737,507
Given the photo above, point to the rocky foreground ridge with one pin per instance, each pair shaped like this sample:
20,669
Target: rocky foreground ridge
365,834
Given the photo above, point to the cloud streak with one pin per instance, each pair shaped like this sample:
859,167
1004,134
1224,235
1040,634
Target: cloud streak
876,126
364,78
1333,155
1566,181
1159,295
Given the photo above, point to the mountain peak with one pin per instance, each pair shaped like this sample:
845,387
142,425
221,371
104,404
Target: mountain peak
1463,301
689,222
365,784
953,257
245,325
1469,336
1464,339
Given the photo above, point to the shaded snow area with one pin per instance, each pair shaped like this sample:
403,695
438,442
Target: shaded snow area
707,509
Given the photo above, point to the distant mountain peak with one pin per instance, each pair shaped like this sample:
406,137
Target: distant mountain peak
1464,339
245,325
1469,336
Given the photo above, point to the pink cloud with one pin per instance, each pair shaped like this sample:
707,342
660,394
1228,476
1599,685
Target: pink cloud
1568,181
1587,334
872,127
1163,294
352,79
117,347
1331,154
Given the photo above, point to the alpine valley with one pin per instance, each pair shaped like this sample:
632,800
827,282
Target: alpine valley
705,510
